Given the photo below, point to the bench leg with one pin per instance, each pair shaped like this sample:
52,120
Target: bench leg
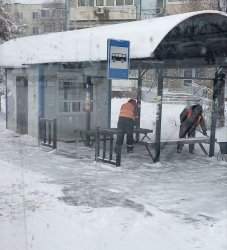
150,153
203,149
145,136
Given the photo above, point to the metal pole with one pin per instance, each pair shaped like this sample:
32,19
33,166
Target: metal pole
140,9
88,109
158,116
213,127
67,9
97,144
139,92
109,102
218,81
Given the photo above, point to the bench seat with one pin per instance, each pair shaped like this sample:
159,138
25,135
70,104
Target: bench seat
177,141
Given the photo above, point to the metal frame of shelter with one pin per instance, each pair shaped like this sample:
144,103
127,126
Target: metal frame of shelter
205,37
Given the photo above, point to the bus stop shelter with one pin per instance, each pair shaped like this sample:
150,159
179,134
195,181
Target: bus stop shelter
188,40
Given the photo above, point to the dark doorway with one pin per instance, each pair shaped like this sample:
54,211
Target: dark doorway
22,104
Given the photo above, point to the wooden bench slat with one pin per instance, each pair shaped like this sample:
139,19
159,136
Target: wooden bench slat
178,141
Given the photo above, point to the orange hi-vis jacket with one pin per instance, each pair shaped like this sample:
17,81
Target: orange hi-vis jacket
128,110
198,120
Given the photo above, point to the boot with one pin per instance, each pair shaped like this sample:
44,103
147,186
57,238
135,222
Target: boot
129,148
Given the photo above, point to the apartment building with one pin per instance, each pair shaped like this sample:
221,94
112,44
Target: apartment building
40,18
26,14
90,13
51,17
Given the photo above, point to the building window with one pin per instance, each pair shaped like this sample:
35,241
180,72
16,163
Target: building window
176,1
99,2
45,13
128,2
187,74
109,2
119,2
200,72
86,2
35,15
81,2
18,15
91,3
71,97
35,30
49,28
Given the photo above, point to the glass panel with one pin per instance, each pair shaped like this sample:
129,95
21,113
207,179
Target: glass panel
128,2
75,106
99,2
64,107
188,73
200,72
34,15
175,1
91,3
109,2
119,2
81,3
187,83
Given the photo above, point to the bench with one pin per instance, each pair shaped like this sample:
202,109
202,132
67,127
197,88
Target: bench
88,136
177,141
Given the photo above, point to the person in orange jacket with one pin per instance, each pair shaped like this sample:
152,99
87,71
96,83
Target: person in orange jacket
127,120
191,118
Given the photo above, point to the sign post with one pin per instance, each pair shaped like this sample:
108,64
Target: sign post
118,59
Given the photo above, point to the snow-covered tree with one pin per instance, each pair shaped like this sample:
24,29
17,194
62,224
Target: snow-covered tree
196,5
8,30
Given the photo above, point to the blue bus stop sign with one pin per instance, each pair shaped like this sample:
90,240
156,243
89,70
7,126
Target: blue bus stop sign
118,59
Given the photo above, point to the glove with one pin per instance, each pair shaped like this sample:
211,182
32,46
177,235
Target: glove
204,132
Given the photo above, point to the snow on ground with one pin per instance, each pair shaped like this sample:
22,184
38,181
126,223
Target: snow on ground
54,200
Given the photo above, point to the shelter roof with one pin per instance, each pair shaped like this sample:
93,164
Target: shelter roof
91,44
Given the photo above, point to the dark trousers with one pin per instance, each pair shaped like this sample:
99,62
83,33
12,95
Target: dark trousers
183,134
125,125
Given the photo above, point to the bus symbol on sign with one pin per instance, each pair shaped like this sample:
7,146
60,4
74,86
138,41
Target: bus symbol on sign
119,57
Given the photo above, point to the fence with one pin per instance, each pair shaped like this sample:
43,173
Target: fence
48,132
106,153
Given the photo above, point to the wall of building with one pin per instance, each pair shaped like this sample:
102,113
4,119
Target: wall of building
32,75
33,101
11,99
23,14
47,18
69,121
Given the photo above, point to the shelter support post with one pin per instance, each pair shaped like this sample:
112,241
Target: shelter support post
88,107
213,127
109,102
217,95
221,103
158,116
41,91
6,96
139,94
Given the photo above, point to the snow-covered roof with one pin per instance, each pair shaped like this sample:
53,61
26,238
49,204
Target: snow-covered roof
91,44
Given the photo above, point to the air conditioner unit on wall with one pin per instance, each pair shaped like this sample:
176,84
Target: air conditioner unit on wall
159,11
100,11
